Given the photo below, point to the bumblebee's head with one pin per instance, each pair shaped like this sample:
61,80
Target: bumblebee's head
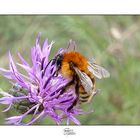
59,59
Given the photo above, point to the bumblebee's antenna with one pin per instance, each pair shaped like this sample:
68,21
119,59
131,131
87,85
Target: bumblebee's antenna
71,45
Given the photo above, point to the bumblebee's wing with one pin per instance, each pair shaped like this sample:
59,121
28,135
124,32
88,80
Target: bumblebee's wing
85,80
97,70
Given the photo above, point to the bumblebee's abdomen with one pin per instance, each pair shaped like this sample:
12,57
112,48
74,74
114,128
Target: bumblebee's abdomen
83,95
83,98
76,59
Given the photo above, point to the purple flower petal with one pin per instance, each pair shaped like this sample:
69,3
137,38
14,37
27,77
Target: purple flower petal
44,92
14,120
72,118
8,108
6,73
11,64
6,100
36,118
23,60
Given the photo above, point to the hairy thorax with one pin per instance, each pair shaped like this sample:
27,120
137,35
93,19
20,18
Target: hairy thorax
76,59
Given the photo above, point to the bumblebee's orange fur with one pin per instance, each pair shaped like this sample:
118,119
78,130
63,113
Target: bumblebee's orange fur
77,59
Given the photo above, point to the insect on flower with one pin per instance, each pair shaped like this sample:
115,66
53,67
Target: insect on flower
52,88
82,72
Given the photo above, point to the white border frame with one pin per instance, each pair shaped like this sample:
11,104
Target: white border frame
69,7
79,132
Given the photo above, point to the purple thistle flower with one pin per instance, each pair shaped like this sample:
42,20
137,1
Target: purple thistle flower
43,90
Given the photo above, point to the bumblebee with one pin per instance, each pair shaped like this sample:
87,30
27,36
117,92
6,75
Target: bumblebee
74,65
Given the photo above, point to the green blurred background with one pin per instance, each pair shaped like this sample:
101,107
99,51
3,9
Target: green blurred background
114,41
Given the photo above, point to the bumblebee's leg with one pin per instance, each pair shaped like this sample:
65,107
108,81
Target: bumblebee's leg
66,86
55,74
77,96
93,94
